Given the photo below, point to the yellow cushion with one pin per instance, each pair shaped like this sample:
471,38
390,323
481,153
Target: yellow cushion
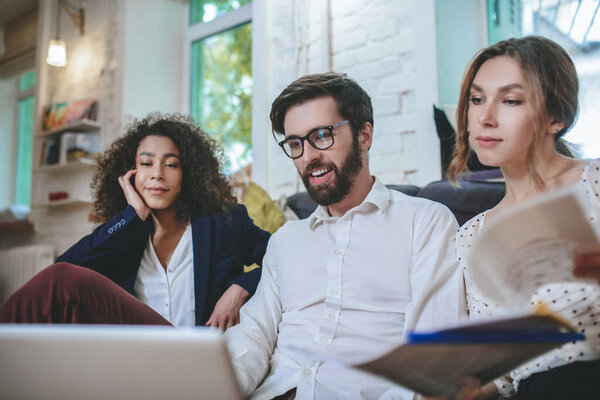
263,211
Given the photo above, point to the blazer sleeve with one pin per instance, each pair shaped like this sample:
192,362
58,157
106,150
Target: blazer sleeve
106,240
253,244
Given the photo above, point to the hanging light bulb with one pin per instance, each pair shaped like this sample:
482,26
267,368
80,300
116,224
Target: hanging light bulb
57,49
57,53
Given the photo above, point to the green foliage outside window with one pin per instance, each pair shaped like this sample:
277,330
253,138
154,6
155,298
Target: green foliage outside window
207,10
221,99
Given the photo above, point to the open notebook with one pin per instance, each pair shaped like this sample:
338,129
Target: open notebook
114,362
531,245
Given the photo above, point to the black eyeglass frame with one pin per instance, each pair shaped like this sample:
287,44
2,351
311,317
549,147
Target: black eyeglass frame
306,137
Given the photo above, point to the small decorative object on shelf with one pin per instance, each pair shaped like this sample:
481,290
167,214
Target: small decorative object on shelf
60,195
75,146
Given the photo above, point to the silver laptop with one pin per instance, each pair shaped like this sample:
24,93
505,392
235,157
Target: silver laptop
114,362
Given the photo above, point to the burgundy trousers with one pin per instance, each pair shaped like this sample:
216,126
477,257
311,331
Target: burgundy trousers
64,293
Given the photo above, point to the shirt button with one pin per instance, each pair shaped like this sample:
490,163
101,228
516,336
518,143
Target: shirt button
331,315
333,292
306,372
338,252
323,339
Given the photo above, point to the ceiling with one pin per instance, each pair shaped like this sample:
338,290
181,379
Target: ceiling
11,9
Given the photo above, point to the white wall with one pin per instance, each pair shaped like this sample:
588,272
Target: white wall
461,30
152,54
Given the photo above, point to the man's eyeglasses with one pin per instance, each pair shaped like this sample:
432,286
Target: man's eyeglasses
320,138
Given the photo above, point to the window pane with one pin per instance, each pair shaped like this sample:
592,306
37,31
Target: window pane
24,139
504,19
574,25
26,81
207,10
221,98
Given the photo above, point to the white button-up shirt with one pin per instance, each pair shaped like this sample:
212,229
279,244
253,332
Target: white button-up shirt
338,289
169,292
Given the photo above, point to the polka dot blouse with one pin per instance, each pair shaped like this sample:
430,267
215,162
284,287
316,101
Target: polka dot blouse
579,303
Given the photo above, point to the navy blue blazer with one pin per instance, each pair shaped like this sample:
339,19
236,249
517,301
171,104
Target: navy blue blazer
222,245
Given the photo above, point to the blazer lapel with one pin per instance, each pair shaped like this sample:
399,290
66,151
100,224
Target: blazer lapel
201,237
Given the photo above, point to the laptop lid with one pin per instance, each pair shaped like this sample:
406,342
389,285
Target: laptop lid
114,362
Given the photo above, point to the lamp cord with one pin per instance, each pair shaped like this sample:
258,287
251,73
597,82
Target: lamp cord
57,20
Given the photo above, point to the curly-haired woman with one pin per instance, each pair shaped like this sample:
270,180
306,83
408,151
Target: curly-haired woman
172,246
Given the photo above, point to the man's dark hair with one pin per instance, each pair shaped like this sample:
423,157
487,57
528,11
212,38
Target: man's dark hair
353,103
204,189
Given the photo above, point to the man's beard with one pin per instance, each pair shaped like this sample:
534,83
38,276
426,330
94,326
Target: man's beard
331,193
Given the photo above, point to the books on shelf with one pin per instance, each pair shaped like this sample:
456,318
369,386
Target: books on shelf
70,147
520,250
49,153
59,114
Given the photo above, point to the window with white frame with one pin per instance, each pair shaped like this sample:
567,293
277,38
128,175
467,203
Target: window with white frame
220,36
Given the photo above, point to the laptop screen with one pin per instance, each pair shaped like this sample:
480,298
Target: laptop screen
114,362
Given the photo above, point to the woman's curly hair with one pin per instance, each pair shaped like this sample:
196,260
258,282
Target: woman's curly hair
204,189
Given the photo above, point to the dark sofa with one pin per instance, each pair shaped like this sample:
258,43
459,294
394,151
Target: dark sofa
470,199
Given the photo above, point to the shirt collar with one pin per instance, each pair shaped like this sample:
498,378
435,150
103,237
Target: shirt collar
379,197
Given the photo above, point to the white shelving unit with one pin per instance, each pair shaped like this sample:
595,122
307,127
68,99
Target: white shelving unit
65,203
81,163
70,177
85,125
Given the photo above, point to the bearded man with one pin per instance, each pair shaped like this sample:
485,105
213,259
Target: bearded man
347,283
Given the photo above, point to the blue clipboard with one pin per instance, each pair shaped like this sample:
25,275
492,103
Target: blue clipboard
494,337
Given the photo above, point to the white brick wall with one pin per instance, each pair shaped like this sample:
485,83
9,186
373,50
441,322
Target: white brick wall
375,42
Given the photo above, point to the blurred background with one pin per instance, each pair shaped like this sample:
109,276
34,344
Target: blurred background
73,73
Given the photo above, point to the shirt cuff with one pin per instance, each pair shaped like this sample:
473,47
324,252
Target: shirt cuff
505,387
